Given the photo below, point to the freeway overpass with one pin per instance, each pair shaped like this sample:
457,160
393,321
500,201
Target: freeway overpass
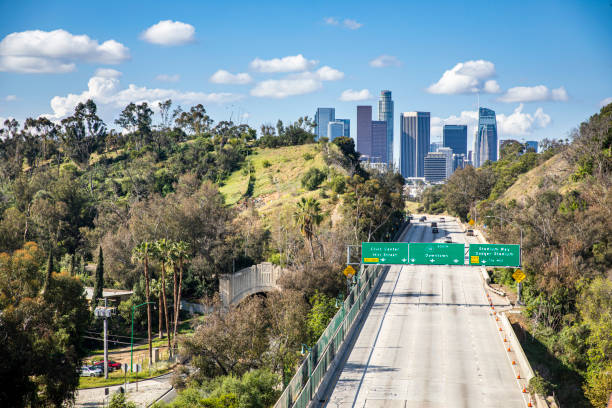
428,341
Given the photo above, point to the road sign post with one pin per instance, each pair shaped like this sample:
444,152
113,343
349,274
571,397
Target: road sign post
495,255
434,253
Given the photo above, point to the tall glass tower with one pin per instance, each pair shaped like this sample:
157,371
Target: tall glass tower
455,137
485,140
385,112
364,130
322,119
414,143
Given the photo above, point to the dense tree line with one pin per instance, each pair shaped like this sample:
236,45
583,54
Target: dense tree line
567,251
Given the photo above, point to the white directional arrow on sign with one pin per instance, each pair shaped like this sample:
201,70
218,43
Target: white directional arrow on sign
455,260
404,260
432,260
484,261
382,259
412,260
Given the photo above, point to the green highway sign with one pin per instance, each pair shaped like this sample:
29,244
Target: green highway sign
495,255
436,254
384,252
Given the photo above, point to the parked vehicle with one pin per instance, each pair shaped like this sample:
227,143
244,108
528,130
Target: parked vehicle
469,233
448,239
422,219
434,224
91,371
434,230
112,365
442,219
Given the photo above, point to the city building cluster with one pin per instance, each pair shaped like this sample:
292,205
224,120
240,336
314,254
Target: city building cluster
419,158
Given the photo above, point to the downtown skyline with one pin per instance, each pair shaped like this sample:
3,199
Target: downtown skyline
329,56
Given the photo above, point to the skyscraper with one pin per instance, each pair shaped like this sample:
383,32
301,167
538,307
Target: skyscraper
435,166
379,141
485,140
347,126
449,159
385,113
322,119
414,143
364,130
335,129
531,144
455,137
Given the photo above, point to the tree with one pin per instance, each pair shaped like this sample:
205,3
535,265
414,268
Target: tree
141,253
181,253
163,250
99,281
307,216
83,132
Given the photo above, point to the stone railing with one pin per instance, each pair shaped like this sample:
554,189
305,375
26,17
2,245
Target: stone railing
248,281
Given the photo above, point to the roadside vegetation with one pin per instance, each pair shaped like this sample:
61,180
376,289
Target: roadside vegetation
162,207
562,203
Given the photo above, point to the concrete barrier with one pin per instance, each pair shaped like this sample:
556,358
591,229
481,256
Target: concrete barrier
248,281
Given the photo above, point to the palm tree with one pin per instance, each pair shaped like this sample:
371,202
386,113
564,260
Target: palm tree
163,250
181,254
307,216
141,253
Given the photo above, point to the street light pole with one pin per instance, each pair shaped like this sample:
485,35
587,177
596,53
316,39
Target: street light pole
132,338
105,343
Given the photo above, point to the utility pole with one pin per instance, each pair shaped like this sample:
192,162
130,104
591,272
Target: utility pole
105,343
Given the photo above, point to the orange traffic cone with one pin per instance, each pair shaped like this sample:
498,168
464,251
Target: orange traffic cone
505,340
508,348
529,403
500,329
518,377
524,390
513,362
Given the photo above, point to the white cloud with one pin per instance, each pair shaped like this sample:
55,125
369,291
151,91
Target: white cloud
107,73
10,98
351,24
291,63
282,88
346,23
56,51
168,32
351,95
327,73
168,78
331,21
385,61
519,123
465,77
491,86
534,94
105,89
605,102
224,77
296,84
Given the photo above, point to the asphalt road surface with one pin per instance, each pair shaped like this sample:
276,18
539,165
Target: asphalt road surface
429,340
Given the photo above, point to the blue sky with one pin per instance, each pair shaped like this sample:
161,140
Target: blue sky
560,53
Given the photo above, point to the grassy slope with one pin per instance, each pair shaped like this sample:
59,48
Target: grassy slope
279,185
528,184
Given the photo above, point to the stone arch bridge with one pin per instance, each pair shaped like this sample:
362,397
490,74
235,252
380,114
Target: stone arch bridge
262,277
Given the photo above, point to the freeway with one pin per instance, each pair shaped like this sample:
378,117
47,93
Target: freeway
428,341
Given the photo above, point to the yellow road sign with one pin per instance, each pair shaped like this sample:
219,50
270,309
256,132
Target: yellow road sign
474,259
471,222
348,271
518,275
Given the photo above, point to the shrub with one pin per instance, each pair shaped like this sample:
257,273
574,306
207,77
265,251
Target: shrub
308,156
313,178
266,164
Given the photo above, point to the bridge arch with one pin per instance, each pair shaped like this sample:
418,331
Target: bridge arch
248,281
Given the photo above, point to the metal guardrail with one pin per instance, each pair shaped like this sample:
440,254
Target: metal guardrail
304,384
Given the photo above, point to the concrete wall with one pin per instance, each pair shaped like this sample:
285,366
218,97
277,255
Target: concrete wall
248,281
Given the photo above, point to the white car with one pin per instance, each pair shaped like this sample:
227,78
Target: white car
448,240
91,371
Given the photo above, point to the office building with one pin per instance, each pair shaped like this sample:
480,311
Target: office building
435,167
485,140
347,126
414,143
455,137
433,147
531,144
448,152
322,119
385,113
459,162
335,129
379,141
364,130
